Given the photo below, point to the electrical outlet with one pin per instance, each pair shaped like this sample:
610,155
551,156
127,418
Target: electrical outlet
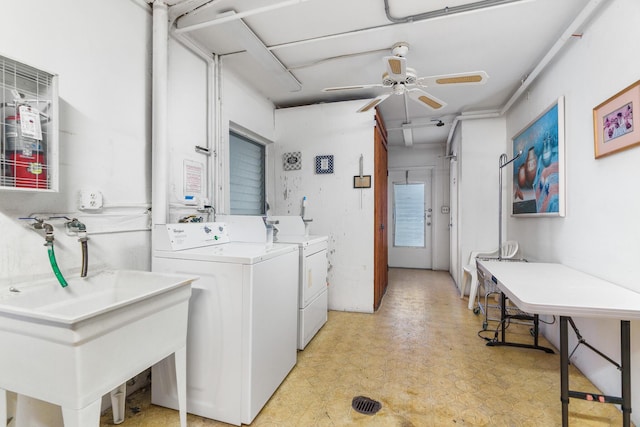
90,200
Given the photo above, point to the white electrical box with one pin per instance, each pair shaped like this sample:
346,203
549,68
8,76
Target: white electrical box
89,200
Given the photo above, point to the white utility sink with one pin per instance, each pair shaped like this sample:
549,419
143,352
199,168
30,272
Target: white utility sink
70,346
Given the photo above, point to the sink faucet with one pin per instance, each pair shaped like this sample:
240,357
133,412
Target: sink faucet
78,227
48,230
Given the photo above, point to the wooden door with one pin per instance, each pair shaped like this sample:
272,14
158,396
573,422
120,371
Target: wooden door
380,257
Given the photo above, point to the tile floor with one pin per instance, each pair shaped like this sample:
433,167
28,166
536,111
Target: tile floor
421,358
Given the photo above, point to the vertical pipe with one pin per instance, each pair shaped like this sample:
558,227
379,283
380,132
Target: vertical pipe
160,149
219,180
501,163
564,369
212,111
625,350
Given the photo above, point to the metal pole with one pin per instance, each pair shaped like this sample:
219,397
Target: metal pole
625,347
564,370
502,162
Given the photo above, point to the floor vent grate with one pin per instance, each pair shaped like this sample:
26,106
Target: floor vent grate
366,406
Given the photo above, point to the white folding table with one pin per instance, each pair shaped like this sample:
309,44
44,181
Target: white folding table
555,289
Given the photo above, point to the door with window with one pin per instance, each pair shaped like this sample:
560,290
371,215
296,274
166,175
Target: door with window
411,218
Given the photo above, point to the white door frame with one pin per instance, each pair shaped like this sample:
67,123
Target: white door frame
430,234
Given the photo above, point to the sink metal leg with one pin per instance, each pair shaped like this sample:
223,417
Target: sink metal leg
180,359
85,417
3,407
118,396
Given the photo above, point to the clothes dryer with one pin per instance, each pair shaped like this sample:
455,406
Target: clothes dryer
312,282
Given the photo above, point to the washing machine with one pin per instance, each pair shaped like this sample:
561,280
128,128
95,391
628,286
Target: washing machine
242,334
312,281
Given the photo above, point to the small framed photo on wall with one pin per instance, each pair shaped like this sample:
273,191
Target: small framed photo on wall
324,164
614,126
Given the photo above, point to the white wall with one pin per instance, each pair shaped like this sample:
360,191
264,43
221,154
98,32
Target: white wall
429,157
186,125
104,130
338,210
600,233
243,107
101,52
478,148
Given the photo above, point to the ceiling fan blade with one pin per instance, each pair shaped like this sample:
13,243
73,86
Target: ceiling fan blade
423,98
471,78
355,87
373,103
396,67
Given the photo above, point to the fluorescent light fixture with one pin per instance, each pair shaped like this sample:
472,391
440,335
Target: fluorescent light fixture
408,134
200,18
267,60
254,47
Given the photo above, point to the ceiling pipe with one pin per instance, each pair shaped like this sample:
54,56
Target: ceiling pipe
581,19
396,20
470,116
446,11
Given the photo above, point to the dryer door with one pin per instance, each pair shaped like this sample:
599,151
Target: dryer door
314,276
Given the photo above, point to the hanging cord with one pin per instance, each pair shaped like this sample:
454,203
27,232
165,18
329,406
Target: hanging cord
506,321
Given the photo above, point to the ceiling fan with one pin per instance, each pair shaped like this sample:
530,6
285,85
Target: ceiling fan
403,80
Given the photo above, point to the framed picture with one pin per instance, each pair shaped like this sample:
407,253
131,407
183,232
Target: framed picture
292,161
324,164
614,127
363,181
538,173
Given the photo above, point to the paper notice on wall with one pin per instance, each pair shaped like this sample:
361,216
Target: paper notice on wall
193,178
30,122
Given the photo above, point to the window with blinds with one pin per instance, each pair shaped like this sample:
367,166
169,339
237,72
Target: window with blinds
247,176
408,215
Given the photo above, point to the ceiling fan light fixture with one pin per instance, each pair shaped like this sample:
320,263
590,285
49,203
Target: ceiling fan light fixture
398,89
387,81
